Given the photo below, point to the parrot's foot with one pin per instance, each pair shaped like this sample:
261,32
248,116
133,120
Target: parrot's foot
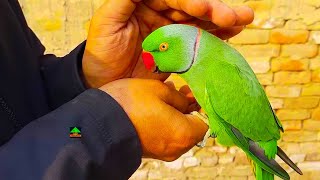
204,118
205,138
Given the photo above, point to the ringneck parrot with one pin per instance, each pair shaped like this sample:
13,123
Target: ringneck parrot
225,86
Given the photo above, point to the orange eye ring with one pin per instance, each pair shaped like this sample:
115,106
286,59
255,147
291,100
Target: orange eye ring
163,46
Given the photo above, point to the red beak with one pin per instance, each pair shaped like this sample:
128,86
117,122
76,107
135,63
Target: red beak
148,60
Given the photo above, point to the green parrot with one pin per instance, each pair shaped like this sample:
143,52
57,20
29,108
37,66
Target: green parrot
225,86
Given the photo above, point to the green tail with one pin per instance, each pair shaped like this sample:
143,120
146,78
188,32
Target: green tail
262,174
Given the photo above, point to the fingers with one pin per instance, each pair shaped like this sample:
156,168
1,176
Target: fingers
185,132
215,11
195,8
245,15
173,97
171,85
176,15
221,14
197,127
117,11
206,25
226,33
153,18
187,92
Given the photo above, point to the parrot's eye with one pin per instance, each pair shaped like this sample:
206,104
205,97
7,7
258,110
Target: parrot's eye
163,46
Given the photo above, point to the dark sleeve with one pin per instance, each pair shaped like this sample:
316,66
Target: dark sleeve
108,149
63,76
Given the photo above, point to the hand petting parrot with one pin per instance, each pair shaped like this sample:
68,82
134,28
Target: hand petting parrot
225,86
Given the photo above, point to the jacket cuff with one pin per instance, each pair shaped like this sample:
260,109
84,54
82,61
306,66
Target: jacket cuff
63,76
115,130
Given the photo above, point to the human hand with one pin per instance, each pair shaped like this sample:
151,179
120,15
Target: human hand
157,113
113,49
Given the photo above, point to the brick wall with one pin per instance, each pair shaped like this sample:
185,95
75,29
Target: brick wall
281,45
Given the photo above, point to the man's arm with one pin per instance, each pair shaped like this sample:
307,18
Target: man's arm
108,149
62,76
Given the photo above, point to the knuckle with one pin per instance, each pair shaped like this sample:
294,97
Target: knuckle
170,158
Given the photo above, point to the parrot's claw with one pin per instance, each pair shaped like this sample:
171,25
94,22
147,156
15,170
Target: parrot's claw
204,118
205,138
213,135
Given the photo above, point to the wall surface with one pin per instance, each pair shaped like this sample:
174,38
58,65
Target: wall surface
281,45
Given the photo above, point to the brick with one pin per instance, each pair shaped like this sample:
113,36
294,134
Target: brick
258,51
218,149
313,157
299,136
316,114
190,162
234,150
311,90
226,158
297,158
283,91
302,102
209,161
295,25
290,148
86,26
241,159
152,164
311,16
276,103
307,175
75,28
188,154
293,114
177,164
202,172
298,51
315,76
315,37
312,125
315,63
241,170
310,147
97,4
178,81
312,3
251,36
286,36
314,27
265,79
140,174
257,59
283,10
285,64
307,166
260,66
210,141
155,174
285,78
203,152
262,15
291,125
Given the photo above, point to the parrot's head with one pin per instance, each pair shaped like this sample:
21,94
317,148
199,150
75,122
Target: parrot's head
171,48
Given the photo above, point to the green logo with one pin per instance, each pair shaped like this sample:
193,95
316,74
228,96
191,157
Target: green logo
75,132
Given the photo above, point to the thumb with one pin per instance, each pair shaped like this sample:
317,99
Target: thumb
197,127
115,11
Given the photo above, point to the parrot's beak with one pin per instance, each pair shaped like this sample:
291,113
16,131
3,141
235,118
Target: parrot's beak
148,60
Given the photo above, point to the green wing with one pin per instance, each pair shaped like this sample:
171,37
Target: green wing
238,98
